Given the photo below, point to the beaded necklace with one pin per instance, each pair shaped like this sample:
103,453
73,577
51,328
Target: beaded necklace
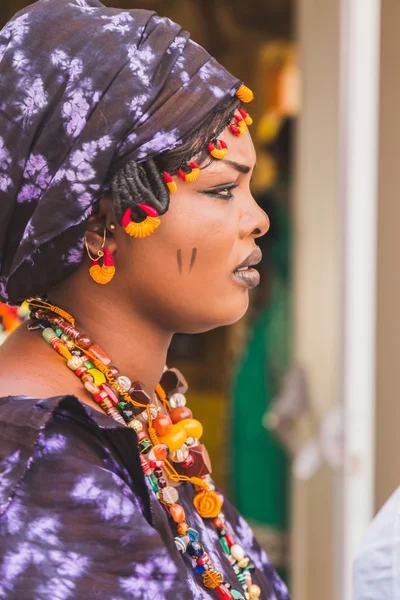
171,436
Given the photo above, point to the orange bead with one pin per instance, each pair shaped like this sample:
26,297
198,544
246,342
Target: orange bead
179,413
177,513
182,528
160,451
162,424
175,438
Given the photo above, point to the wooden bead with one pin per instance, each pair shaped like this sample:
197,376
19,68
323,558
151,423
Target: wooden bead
162,425
193,427
177,513
114,371
201,465
99,354
139,393
84,341
180,413
173,381
175,438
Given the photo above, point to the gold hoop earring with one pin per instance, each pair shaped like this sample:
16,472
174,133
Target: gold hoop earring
104,273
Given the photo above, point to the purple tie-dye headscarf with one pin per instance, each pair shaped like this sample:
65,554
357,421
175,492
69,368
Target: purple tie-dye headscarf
84,89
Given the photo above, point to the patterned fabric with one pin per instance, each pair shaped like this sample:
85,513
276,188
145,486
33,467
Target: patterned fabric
377,565
83,90
77,519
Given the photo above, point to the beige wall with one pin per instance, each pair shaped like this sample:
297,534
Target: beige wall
316,270
388,319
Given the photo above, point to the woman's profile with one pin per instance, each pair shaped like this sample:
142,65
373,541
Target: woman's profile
126,217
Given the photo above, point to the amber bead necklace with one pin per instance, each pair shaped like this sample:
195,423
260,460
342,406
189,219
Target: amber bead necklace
163,438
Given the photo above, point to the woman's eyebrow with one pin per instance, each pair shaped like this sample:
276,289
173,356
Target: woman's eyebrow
244,169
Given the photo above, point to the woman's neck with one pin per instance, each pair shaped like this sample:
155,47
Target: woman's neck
136,346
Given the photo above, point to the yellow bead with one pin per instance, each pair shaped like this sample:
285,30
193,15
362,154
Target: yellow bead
98,376
254,591
193,427
175,438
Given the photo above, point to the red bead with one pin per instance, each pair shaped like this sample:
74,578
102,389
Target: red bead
80,371
224,593
156,464
84,341
188,462
229,539
180,413
100,397
99,354
203,560
158,472
162,425
110,393
218,523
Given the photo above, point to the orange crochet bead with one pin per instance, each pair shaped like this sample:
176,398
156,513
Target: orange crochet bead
245,94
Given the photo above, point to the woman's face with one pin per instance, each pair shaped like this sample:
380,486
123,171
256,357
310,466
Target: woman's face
183,275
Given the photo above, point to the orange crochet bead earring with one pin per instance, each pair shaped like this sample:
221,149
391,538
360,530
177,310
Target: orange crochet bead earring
240,128
144,228
104,273
247,118
244,94
216,152
171,184
193,175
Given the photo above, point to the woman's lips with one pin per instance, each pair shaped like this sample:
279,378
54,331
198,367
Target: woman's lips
249,277
245,273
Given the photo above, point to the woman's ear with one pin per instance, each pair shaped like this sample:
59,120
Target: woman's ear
101,227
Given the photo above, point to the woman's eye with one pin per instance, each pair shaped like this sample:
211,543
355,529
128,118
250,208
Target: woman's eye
222,192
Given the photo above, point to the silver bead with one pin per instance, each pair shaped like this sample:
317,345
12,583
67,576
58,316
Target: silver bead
180,455
153,412
191,441
136,425
124,382
170,495
182,543
177,400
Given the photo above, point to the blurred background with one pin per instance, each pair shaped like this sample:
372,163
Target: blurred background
300,399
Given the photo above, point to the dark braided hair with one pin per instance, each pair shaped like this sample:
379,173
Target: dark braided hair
144,183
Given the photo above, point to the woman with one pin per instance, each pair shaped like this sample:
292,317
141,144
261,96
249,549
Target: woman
106,489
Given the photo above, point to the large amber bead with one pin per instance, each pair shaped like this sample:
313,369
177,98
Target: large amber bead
162,425
180,413
175,438
193,427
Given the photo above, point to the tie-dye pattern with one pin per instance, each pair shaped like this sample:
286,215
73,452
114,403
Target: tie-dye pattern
84,89
78,520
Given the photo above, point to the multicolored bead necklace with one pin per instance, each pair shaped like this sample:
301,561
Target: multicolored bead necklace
171,437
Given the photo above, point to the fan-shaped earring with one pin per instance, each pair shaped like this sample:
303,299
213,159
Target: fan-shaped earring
144,228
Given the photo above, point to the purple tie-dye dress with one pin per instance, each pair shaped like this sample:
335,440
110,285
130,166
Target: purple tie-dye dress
78,520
